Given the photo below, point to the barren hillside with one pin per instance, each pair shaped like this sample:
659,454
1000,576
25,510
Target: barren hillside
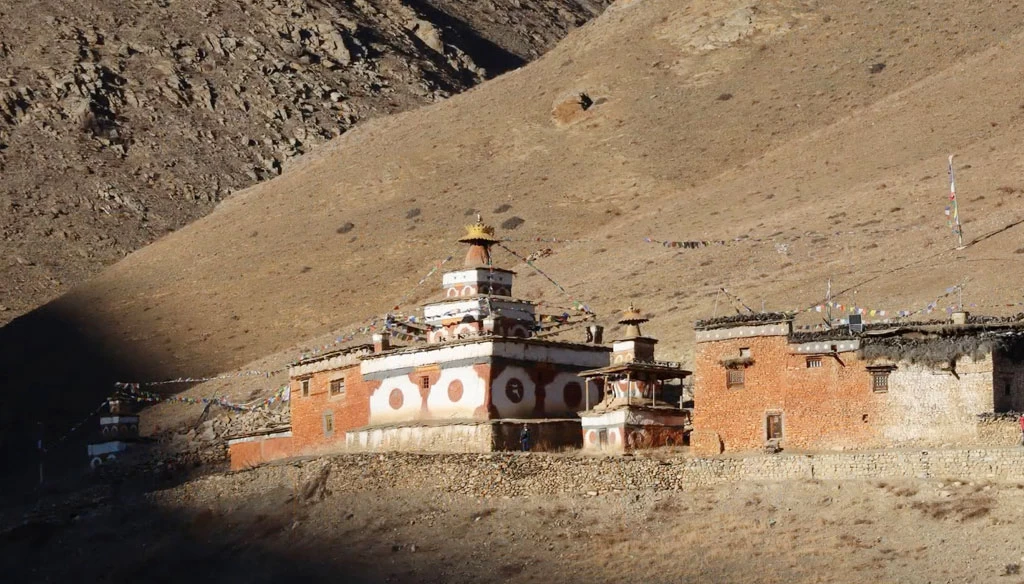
816,132
335,519
121,121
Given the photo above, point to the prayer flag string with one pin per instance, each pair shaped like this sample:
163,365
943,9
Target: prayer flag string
577,305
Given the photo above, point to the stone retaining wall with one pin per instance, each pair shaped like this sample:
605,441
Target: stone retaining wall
517,474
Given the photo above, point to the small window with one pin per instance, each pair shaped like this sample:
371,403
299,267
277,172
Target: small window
305,388
745,352
328,423
425,382
734,377
880,381
813,362
337,387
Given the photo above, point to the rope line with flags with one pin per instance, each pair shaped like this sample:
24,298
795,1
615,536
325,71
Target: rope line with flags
577,305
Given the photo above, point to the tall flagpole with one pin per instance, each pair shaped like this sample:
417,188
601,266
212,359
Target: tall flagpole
953,210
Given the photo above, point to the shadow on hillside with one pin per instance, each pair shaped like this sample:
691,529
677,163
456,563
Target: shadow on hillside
110,541
108,536
493,58
55,370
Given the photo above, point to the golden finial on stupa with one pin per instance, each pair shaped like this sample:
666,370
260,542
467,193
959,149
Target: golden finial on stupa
479,233
632,315
632,318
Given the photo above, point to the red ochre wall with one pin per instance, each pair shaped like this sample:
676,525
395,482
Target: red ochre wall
246,454
831,406
351,409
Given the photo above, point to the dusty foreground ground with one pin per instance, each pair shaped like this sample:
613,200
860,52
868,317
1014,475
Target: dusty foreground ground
253,527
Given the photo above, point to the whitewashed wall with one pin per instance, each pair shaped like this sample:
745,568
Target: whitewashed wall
926,404
439,403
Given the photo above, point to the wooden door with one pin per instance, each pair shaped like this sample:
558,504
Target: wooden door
774,426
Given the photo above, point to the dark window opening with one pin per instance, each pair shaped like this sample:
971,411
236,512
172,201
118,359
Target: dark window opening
425,382
514,390
337,386
305,388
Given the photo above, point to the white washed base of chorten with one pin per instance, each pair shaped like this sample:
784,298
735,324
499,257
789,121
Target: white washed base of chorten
549,435
495,378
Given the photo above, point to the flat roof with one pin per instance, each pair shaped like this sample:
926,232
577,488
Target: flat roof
489,339
662,370
455,299
926,328
740,320
332,354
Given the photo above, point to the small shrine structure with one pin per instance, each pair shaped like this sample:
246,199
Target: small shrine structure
118,431
634,413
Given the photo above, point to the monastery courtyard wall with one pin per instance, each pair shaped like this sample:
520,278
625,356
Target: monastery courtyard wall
517,474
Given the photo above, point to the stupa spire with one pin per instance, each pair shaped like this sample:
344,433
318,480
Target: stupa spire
480,238
632,319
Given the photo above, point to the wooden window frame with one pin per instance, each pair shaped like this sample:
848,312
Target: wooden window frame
304,386
741,372
880,373
814,363
336,387
425,382
328,423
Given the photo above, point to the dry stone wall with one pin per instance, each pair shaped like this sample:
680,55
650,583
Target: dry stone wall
510,475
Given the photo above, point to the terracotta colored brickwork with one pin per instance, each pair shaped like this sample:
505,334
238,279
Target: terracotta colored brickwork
835,405
705,442
245,454
349,410
831,406
255,452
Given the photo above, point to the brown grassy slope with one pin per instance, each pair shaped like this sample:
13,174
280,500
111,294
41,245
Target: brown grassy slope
663,152
268,525
121,120
268,268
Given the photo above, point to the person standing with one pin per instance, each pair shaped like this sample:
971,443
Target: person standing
524,436
1021,422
